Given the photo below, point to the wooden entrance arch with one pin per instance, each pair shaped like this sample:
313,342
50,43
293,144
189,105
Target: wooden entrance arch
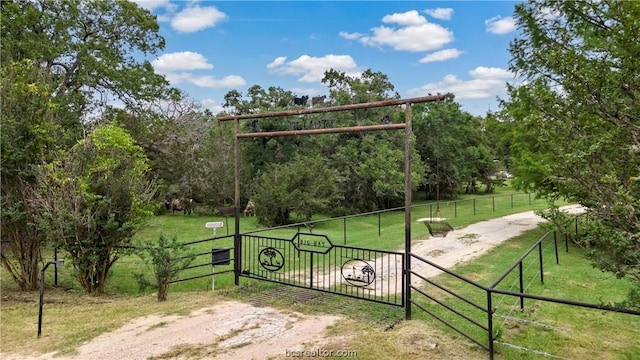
406,125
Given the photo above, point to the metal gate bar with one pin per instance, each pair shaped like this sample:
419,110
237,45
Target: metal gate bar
312,261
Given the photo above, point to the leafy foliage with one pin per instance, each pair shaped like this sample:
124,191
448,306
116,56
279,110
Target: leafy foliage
62,62
305,186
454,148
168,258
93,201
369,166
30,135
576,119
185,147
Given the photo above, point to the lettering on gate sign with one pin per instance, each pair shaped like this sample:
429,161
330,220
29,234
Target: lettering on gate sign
315,243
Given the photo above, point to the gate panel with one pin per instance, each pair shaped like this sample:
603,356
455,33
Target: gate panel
312,261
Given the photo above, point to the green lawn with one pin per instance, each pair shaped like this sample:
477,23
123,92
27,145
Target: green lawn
384,230
542,327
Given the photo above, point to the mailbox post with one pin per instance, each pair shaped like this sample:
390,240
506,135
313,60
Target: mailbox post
215,225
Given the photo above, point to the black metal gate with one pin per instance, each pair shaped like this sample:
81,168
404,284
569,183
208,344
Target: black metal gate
313,261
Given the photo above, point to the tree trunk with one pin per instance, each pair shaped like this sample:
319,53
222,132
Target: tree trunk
162,291
21,254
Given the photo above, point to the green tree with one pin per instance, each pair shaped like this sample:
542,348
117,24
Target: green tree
261,152
93,201
175,136
453,146
29,137
370,166
168,258
577,130
62,62
304,187
213,179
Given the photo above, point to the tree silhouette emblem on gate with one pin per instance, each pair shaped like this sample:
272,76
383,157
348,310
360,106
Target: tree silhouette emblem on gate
358,273
271,259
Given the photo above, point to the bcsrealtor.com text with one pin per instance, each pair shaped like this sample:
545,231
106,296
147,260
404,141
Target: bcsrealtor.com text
322,353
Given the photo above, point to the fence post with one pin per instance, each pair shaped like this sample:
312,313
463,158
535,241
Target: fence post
521,286
529,199
490,323
55,269
344,230
311,271
555,245
493,203
455,209
540,257
474,207
237,258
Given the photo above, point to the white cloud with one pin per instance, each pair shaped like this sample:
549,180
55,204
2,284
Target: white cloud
177,68
206,81
186,60
485,82
214,106
310,68
196,18
441,55
307,91
409,18
229,81
152,5
350,36
414,34
483,72
279,61
440,13
499,25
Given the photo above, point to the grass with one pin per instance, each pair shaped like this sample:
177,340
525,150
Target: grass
547,327
70,319
373,330
383,231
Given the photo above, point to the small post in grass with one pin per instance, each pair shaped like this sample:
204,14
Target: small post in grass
58,263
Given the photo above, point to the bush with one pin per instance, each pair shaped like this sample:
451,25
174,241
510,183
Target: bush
168,258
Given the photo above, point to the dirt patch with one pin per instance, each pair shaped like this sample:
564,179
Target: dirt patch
435,253
229,330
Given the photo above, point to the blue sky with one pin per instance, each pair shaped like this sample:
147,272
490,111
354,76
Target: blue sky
213,47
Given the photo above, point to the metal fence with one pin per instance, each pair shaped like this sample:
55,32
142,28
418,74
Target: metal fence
450,209
221,256
480,313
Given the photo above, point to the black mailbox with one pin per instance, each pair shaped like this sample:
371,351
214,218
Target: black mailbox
220,256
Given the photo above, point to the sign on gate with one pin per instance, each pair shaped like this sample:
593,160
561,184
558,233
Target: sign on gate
315,243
